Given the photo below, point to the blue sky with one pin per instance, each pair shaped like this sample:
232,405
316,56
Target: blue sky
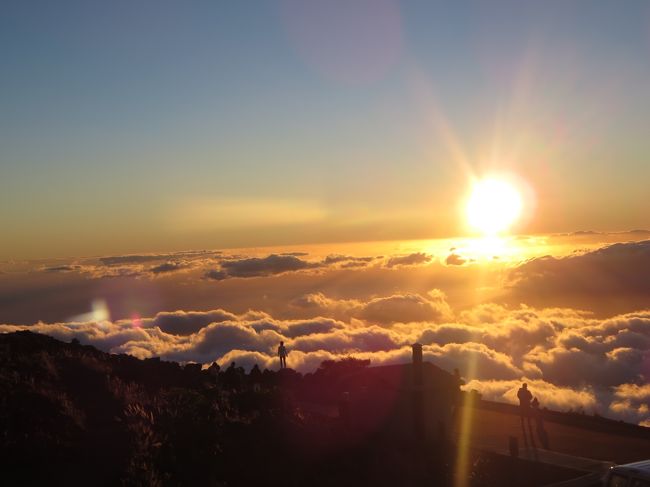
118,117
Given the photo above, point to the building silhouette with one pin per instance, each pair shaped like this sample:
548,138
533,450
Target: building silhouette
406,401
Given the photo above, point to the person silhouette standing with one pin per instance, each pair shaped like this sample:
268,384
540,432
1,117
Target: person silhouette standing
525,397
282,353
542,434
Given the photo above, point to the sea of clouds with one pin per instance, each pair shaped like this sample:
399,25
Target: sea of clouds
571,358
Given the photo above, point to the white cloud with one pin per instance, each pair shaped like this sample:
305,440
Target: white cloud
570,358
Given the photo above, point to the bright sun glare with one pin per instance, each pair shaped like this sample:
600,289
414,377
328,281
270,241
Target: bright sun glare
493,206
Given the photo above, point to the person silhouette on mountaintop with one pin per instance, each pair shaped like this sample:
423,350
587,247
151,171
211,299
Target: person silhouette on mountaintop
524,396
534,404
282,353
542,434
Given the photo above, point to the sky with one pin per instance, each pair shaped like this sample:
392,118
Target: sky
199,181
160,126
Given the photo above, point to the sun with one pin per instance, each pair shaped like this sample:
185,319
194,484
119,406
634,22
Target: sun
493,206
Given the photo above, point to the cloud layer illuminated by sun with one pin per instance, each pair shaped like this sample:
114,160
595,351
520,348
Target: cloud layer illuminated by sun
584,319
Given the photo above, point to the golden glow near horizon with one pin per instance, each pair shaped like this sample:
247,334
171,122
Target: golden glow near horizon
494,206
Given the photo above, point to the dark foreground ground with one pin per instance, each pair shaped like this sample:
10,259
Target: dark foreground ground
70,414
